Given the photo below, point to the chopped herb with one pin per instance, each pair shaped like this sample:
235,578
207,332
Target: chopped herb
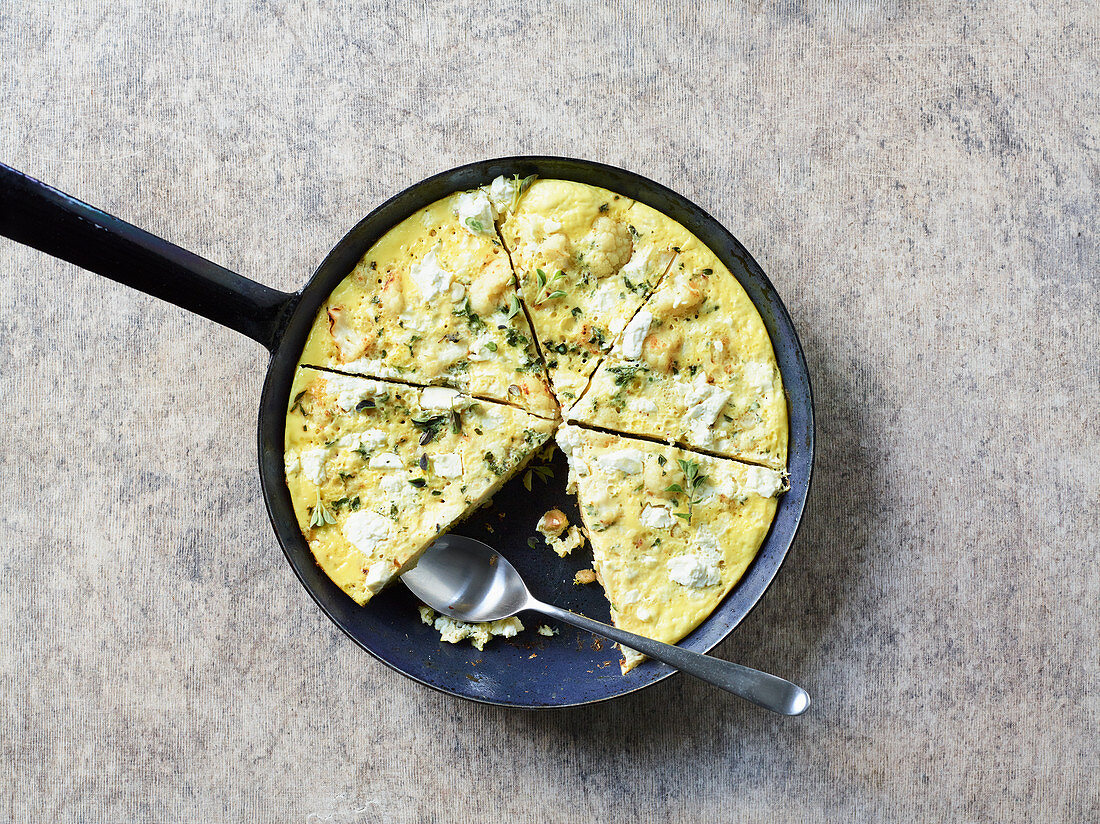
513,310
475,224
694,483
494,466
603,208
430,426
298,403
661,460
366,403
419,483
533,543
626,373
557,293
491,346
423,463
320,516
513,337
576,311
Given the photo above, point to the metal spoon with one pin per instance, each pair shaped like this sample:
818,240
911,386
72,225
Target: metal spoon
467,580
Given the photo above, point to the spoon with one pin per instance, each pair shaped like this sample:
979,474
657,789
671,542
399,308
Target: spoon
470,581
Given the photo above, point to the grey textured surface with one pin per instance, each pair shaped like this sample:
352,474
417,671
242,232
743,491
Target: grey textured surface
919,180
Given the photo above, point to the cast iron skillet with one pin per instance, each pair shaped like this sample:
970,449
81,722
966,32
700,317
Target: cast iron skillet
531,670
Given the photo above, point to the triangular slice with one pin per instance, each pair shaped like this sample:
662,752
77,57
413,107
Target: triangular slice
377,470
434,303
585,259
672,531
695,366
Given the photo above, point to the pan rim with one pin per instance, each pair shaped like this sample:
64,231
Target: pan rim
305,304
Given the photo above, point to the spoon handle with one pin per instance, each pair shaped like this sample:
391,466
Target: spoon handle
768,691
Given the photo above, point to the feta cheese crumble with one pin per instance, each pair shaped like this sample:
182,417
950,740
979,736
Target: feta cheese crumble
627,461
635,334
475,213
447,465
365,530
430,278
313,464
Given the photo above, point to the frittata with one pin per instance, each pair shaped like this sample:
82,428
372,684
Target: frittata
695,367
377,470
638,328
585,260
434,303
672,531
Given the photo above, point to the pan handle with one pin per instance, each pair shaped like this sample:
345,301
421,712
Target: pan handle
38,215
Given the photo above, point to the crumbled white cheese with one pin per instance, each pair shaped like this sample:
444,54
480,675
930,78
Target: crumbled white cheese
378,575
631,597
313,464
628,461
350,391
717,344
385,460
635,333
705,402
368,441
570,439
453,631
657,517
643,613
502,193
607,297
291,463
475,213
366,529
483,348
641,406
343,332
447,464
430,278
693,571
371,366
758,375
635,268
458,291
550,225
759,480
449,353
438,398
547,631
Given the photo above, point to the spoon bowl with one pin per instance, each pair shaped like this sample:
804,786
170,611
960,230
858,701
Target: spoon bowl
467,580
470,581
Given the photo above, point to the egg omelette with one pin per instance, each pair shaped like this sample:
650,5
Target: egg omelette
640,329
585,260
377,470
433,302
672,531
694,366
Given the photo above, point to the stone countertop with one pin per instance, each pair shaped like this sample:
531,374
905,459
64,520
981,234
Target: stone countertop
919,183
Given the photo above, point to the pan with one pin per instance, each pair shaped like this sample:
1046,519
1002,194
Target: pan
530,670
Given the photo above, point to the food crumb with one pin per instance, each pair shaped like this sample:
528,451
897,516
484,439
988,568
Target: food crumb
584,576
552,523
453,631
547,630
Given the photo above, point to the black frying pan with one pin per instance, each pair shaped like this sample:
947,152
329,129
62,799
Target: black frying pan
532,671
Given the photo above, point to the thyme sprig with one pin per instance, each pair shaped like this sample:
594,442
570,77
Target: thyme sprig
694,483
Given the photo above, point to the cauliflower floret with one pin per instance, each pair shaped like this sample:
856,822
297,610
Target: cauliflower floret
608,247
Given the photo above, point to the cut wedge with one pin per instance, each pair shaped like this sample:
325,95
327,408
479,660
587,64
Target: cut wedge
434,303
585,259
672,531
695,366
378,470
